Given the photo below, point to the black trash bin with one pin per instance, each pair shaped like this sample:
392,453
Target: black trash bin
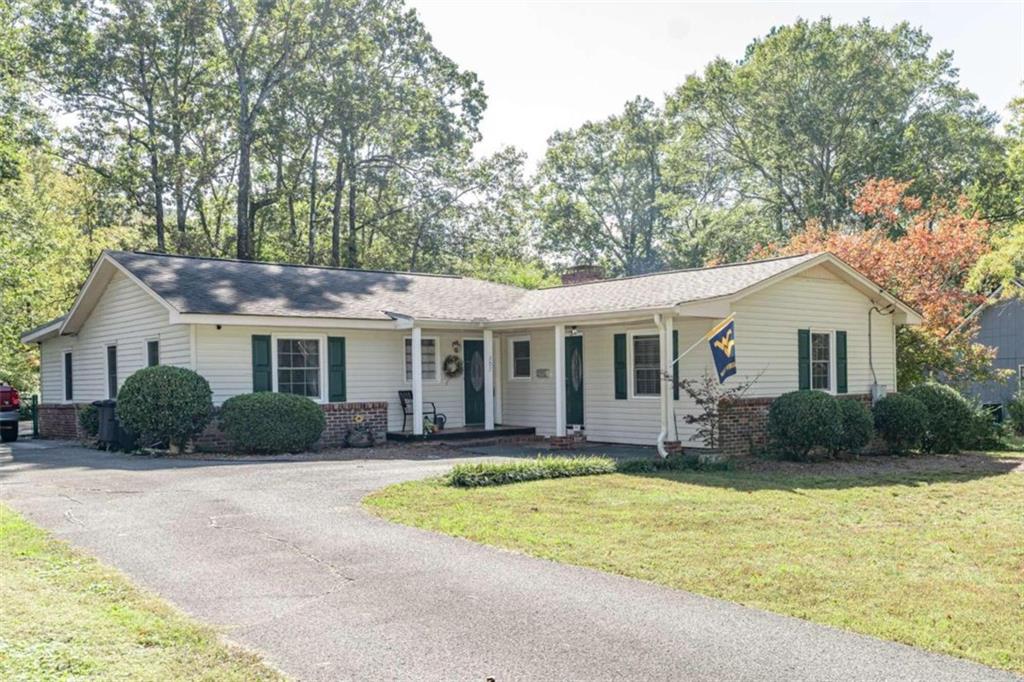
107,432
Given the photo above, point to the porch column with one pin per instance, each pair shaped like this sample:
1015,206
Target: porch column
497,380
559,379
417,381
671,403
488,379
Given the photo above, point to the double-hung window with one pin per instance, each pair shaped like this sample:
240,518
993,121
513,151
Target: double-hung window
520,358
646,365
298,367
152,353
68,376
821,361
429,350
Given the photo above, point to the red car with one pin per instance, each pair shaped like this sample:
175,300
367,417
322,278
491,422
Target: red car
10,404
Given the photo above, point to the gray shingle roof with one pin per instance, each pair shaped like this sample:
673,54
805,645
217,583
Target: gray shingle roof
212,286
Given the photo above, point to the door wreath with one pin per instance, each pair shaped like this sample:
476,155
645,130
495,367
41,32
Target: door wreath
452,366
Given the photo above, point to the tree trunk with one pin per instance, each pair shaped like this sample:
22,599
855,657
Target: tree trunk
155,176
243,237
311,250
180,210
352,254
339,190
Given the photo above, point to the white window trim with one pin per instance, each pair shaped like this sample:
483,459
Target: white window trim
832,374
106,370
632,367
64,375
145,351
321,339
437,359
512,358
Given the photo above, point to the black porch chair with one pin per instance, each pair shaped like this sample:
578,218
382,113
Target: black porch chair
405,397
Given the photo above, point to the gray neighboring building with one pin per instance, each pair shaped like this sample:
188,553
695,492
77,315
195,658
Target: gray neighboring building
1001,326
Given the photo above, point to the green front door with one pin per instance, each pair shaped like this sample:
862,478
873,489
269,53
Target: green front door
473,380
574,380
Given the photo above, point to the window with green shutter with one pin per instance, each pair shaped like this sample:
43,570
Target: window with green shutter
336,389
621,385
841,386
803,345
262,370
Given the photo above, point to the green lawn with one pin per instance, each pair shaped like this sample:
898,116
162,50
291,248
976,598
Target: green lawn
65,616
929,552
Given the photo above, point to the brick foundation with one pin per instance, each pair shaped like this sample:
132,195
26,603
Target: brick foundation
340,417
59,421
568,441
744,423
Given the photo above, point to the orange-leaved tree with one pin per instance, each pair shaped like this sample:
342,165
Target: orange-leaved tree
922,255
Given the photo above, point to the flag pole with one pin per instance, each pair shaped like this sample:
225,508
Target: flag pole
710,332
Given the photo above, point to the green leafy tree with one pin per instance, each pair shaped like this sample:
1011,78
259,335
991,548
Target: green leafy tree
599,191
813,109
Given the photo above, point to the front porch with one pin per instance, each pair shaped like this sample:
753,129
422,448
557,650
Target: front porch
463,433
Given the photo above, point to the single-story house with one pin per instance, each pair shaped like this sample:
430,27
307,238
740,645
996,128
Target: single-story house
1000,321
592,358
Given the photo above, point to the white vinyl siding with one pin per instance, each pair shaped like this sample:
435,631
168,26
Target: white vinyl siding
374,368
125,316
532,403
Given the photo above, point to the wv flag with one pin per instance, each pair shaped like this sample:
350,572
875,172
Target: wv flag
723,348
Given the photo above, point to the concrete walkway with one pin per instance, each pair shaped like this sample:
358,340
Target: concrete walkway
281,556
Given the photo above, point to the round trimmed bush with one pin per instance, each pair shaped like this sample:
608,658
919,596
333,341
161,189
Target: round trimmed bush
165,405
901,422
800,421
89,420
856,426
269,423
950,420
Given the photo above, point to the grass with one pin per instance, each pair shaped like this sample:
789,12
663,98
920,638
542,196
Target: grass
925,551
65,616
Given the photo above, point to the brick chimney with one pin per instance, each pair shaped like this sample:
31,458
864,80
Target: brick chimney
578,274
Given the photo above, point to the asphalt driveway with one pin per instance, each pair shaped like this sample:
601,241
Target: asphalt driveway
283,559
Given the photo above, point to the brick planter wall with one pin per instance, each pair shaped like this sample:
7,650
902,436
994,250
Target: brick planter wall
340,417
744,425
59,420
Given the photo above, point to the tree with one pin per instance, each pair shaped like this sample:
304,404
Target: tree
599,191
813,110
265,44
923,255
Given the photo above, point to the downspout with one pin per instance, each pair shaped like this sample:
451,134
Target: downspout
659,323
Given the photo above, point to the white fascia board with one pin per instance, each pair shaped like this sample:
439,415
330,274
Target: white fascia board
49,331
281,321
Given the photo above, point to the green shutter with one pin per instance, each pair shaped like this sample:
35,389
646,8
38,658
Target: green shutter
840,362
262,379
336,369
620,367
675,365
803,337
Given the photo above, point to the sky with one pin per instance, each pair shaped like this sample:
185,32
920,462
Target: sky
549,66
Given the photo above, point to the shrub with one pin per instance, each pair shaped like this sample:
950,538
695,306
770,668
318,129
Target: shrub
89,420
800,421
1015,412
949,418
680,462
269,423
856,426
165,404
901,421
500,473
